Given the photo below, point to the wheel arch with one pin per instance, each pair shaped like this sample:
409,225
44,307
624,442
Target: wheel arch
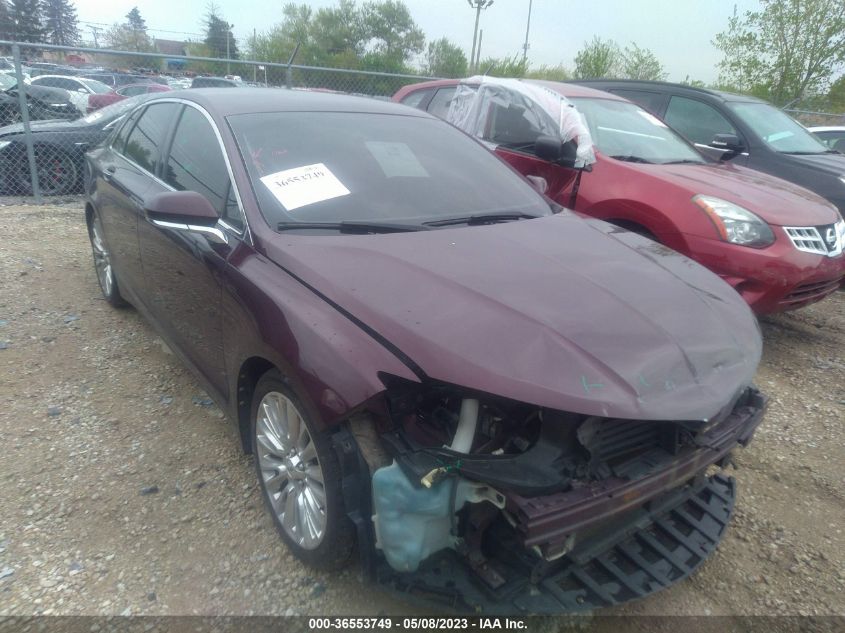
248,376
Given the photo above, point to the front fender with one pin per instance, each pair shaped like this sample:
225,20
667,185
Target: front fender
329,360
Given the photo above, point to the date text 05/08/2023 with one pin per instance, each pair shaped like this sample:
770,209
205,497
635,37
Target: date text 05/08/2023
387,623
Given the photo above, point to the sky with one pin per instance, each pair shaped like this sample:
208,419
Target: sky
678,32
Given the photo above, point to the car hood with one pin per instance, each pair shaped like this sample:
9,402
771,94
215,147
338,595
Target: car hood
775,200
560,312
834,164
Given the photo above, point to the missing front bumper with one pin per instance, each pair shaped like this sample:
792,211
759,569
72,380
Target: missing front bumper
649,550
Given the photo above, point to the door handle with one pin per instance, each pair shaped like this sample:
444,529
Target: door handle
108,172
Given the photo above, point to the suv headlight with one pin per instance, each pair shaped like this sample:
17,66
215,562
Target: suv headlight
735,224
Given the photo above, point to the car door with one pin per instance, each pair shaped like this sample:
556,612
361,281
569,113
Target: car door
126,174
699,123
184,268
512,131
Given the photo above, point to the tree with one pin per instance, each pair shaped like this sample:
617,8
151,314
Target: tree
130,36
375,36
445,59
597,59
515,66
60,22
134,20
26,20
786,51
218,35
391,34
549,73
640,63
7,27
836,95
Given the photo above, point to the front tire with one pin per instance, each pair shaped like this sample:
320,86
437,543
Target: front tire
102,264
299,476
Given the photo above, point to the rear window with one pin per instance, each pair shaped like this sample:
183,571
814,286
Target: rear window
341,166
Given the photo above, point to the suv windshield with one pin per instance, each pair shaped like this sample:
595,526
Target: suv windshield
7,82
625,131
333,167
777,129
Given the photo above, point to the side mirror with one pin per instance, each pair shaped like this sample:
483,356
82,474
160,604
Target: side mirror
185,211
729,143
553,150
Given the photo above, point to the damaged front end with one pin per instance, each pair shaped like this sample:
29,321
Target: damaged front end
482,504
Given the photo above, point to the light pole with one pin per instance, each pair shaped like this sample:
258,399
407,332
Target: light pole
229,28
527,29
478,5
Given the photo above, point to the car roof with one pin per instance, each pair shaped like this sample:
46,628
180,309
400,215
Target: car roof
227,102
662,86
56,77
568,90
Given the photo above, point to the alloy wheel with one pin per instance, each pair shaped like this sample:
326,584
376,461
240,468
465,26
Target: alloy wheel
290,470
102,261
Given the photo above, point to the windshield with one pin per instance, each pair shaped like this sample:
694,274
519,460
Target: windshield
777,129
7,82
112,112
625,131
362,167
98,87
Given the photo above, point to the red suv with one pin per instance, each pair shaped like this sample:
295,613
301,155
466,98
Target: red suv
779,245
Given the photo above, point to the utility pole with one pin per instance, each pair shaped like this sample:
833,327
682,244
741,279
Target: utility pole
478,52
95,30
478,5
254,67
229,28
527,29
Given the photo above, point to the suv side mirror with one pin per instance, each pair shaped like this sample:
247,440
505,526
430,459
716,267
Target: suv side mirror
553,150
729,143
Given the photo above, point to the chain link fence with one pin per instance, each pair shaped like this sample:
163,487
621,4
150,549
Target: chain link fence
57,102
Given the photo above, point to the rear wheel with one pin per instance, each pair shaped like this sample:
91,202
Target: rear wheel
58,173
299,476
102,264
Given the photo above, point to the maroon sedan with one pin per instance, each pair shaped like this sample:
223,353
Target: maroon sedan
494,402
779,245
95,102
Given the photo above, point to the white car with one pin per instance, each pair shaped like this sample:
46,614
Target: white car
831,135
78,87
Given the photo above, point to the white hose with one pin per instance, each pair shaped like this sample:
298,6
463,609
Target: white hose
468,420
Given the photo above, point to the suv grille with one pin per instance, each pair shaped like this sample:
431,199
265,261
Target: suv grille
828,239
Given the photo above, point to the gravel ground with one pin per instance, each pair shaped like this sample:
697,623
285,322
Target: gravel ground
124,490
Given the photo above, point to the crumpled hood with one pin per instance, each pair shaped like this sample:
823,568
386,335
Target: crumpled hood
775,200
560,312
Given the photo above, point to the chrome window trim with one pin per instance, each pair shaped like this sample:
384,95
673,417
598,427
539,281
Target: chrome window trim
246,233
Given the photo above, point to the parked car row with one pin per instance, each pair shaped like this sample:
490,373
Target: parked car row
778,244
59,147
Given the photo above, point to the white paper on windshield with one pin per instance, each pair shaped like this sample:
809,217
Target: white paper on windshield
301,186
396,159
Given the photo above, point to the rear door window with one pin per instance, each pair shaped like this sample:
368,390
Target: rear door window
439,105
147,136
696,120
416,98
651,101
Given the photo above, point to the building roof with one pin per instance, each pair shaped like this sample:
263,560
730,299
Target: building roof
169,47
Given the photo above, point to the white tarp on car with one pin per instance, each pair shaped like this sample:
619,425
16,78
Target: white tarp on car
532,107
